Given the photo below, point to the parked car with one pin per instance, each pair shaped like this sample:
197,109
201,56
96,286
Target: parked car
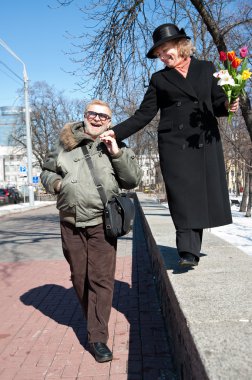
15,196
4,198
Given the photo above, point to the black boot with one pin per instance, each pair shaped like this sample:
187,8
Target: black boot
101,352
188,259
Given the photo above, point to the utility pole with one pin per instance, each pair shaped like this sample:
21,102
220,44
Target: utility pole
28,124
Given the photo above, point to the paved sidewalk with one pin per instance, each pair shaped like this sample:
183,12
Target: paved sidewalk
42,333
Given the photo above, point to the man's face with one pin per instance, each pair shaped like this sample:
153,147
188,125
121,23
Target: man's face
97,120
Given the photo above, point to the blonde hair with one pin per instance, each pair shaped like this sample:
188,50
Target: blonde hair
99,103
185,47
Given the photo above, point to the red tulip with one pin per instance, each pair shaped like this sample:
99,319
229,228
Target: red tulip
236,62
231,55
223,56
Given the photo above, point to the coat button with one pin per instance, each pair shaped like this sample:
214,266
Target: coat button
178,104
183,146
201,145
196,102
180,127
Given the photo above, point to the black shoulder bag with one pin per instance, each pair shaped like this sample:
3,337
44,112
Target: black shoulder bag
119,212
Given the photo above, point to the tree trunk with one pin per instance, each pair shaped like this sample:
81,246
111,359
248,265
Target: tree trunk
245,193
248,212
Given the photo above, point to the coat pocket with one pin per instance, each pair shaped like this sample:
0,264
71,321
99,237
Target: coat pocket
67,197
165,126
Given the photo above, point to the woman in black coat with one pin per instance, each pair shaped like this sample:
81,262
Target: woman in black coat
190,149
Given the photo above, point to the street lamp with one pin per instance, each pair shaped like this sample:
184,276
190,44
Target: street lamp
27,121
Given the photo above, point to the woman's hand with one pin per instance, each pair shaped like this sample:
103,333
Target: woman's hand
109,132
234,106
110,143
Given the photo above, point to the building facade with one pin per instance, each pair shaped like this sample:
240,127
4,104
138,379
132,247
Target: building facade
13,159
147,164
10,118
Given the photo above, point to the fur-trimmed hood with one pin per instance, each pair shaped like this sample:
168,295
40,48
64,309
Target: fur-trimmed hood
72,134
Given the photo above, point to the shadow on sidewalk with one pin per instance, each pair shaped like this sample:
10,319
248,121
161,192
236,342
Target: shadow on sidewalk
148,349
171,259
61,305
146,344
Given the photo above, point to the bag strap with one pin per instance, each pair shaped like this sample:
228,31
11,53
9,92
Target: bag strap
94,176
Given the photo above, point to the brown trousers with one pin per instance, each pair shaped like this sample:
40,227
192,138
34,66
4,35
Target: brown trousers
92,259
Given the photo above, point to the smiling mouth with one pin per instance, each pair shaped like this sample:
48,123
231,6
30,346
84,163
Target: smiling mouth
95,125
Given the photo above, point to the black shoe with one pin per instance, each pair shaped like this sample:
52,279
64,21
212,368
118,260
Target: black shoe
101,352
188,259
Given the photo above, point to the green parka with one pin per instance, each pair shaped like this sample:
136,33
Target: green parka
78,200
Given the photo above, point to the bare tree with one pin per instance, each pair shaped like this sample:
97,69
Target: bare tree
50,110
221,35
112,48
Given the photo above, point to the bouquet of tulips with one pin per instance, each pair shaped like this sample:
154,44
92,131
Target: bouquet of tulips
233,74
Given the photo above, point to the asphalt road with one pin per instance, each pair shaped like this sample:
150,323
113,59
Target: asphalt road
32,235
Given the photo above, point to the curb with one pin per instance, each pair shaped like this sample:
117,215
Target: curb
207,310
184,351
20,208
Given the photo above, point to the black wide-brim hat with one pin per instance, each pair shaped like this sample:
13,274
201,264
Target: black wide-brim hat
165,33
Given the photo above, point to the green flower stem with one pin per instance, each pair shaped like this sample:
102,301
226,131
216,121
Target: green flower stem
230,115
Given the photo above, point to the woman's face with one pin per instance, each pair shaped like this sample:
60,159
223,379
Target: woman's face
168,53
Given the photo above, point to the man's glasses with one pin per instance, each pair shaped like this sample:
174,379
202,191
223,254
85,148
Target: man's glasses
91,115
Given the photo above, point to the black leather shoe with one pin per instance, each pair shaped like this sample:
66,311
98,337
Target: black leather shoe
188,259
101,352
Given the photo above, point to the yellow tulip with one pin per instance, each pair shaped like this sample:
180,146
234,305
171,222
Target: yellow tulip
246,74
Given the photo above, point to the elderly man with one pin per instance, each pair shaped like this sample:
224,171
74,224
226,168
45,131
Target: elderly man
90,254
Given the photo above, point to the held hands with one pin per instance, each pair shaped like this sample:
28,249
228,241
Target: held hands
109,132
232,107
110,142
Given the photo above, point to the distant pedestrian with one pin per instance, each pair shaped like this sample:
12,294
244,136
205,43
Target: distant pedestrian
190,149
90,254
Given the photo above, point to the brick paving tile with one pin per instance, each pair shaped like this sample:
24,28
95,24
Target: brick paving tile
119,365
118,377
43,333
96,378
54,373
31,374
8,373
70,371
93,368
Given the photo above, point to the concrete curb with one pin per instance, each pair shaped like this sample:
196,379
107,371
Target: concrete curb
207,310
184,351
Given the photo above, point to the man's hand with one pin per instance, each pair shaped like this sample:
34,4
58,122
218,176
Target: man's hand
57,186
111,144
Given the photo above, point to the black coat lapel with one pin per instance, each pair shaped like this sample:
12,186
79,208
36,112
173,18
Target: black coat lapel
194,74
179,81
